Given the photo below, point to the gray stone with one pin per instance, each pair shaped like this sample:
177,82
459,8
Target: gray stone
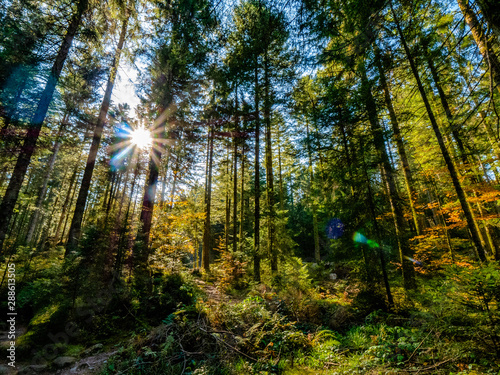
63,361
84,366
6,370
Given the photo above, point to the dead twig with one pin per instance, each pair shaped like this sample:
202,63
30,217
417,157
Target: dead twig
433,366
419,345
230,346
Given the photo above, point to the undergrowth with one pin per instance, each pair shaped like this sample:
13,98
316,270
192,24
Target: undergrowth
299,323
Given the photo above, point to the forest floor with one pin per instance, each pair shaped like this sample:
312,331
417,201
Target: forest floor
263,331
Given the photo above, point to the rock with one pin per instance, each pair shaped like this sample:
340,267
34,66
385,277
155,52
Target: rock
5,370
84,366
63,361
93,349
33,369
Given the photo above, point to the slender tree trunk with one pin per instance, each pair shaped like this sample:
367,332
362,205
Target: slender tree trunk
273,251
447,158
28,148
444,102
64,234
43,190
116,233
235,176
410,187
256,235
120,254
394,199
175,173
142,249
462,151
227,222
109,186
312,195
76,223
164,184
380,252
207,232
115,181
242,194
280,172
65,204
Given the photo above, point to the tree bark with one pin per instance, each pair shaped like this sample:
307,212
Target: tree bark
242,194
256,235
227,222
142,250
235,176
273,251
207,232
312,197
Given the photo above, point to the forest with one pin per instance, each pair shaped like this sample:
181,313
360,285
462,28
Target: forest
250,187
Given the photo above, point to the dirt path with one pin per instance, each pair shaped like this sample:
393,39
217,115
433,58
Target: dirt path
214,295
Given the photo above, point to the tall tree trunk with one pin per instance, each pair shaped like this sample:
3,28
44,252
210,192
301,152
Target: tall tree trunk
256,235
449,116
117,177
280,172
394,199
227,222
116,233
235,176
446,156
121,243
378,233
312,195
457,136
207,232
273,251
242,194
164,184
66,203
410,187
28,148
43,189
142,249
76,223
482,41
175,175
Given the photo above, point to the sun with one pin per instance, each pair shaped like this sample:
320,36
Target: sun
141,137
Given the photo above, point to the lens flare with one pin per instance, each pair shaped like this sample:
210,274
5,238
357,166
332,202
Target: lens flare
360,238
334,229
141,137
416,262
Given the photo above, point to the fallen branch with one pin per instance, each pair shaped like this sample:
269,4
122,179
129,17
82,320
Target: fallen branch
419,345
230,346
433,366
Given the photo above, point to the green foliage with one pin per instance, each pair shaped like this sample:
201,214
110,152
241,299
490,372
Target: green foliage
229,270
